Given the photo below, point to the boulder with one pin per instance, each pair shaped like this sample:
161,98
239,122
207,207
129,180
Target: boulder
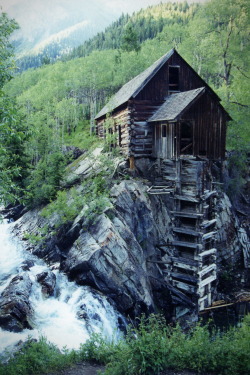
15,309
47,279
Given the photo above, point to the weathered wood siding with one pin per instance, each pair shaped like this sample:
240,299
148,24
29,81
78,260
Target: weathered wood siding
209,133
141,130
138,138
121,126
164,147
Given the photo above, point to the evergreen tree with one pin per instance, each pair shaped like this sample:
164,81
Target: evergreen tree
130,40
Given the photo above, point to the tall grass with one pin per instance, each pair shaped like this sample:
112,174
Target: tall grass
150,347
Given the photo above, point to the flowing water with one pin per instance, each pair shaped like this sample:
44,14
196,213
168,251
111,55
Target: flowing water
55,317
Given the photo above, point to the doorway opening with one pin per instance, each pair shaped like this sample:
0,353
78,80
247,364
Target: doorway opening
186,138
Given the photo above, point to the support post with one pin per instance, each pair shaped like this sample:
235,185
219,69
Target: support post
132,163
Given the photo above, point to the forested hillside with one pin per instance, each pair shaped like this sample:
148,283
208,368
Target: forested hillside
57,102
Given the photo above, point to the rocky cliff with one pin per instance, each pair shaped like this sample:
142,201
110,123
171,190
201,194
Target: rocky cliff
118,251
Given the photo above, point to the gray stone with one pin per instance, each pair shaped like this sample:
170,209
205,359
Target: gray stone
15,310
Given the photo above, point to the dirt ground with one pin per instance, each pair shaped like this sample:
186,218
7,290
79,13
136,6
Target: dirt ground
92,369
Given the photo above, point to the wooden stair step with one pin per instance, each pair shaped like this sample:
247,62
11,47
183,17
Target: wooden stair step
189,214
187,244
186,198
187,231
208,223
184,277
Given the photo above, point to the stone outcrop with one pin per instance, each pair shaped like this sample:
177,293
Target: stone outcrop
47,279
118,252
15,309
113,254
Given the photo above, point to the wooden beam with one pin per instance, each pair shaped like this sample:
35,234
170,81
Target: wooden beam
191,215
187,231
207,252
204,271
184,277
188,261
186,198
187,244
209,280
208,223
188,288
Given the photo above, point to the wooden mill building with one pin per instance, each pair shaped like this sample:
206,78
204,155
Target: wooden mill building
169,114
166,111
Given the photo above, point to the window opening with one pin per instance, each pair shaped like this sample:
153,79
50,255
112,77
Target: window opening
173,80
119,135
164,131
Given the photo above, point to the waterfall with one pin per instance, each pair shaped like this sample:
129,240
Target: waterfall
67,317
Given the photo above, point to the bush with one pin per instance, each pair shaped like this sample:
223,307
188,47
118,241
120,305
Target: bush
37,357
150,347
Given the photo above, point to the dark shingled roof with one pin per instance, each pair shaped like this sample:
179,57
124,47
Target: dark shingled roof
175,105
133,87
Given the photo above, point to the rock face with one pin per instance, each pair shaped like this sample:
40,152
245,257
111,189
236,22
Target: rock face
113,254
118,253
15,309
47,279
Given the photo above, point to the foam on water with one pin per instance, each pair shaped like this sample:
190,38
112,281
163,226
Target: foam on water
69,316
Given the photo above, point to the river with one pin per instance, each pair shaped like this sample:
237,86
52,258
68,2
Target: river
55,317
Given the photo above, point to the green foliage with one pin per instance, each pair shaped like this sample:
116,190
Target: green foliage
237,168
44,181
7,65
59,101
153,346
150,347
92,196
33,238
67,205
130,40
13,130
36,358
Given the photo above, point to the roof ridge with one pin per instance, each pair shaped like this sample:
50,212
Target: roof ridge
135,85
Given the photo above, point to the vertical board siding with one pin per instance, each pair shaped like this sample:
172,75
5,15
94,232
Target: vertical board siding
138,138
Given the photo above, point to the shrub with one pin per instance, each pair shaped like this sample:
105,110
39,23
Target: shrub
37,357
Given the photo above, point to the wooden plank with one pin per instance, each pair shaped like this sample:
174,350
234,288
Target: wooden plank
184,277
186,198
193,215
208,223
187,231
204,271
181,296
208,194
188,261
187,244
188,288
209,280
209,235
184,266
207,252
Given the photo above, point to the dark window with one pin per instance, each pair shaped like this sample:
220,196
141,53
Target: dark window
173,78
119,135
164,131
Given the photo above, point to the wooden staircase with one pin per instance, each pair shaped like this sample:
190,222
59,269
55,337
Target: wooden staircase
190,266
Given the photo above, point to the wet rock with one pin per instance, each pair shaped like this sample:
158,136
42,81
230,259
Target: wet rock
27,264
48,281
13,212
15,309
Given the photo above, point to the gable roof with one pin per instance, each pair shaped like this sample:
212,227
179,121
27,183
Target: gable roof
134,86
176,104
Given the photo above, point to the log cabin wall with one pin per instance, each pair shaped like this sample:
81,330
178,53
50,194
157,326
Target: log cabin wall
121,126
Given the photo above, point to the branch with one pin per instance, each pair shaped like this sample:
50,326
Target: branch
242,105
239,69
